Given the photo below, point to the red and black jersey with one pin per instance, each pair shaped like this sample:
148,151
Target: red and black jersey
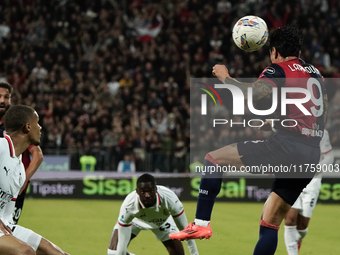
26,157
298,74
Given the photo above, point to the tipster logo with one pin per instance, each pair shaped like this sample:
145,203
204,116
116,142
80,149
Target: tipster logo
204,97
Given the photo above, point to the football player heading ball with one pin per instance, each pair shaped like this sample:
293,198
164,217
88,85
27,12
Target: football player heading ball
291,145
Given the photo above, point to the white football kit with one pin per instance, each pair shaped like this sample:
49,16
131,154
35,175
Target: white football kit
164,218
306,202
12,177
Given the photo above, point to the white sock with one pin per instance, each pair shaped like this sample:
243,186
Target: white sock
291,239
111,252
202,223
302,233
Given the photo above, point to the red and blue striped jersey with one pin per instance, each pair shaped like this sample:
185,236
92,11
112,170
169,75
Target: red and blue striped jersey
298,74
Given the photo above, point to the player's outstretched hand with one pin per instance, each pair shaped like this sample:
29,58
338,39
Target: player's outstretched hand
221,72
5,229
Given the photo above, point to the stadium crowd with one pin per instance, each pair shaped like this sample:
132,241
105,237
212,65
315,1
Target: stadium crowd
110,78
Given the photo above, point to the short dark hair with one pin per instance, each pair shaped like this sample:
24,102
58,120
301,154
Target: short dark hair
6,85
287,40
146,178
17,116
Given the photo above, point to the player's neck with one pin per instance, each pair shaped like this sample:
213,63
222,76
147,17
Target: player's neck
290,58
282,59
20,142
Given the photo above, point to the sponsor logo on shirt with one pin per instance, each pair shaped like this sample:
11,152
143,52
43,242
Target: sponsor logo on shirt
6,170
270,70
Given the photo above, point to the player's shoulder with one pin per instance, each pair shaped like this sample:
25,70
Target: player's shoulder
3,145
273,71
166,194
164,190
309,68
130,200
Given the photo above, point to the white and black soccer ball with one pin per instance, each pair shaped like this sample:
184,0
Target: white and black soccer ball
250,33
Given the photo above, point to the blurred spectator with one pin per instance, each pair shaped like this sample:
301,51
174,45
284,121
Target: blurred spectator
74,154
323,58
170,85
154,101
179,155
126,165
126,81
110,142
167,151
40,71
4,31
156,153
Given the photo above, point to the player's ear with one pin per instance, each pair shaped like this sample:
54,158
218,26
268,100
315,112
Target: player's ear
299,53
276,53
26,128
273,52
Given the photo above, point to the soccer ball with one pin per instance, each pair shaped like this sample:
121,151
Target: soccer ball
250,33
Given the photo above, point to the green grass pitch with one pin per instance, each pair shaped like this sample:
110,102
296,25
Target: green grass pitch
84,227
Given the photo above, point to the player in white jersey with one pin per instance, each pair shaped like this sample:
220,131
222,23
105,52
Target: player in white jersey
23,130
297,219
150,207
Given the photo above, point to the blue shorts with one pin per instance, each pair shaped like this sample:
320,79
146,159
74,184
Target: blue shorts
288,151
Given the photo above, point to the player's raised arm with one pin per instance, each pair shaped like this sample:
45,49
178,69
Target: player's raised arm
261,88
37,158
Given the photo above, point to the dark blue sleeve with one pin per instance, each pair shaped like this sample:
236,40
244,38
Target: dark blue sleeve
274,74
